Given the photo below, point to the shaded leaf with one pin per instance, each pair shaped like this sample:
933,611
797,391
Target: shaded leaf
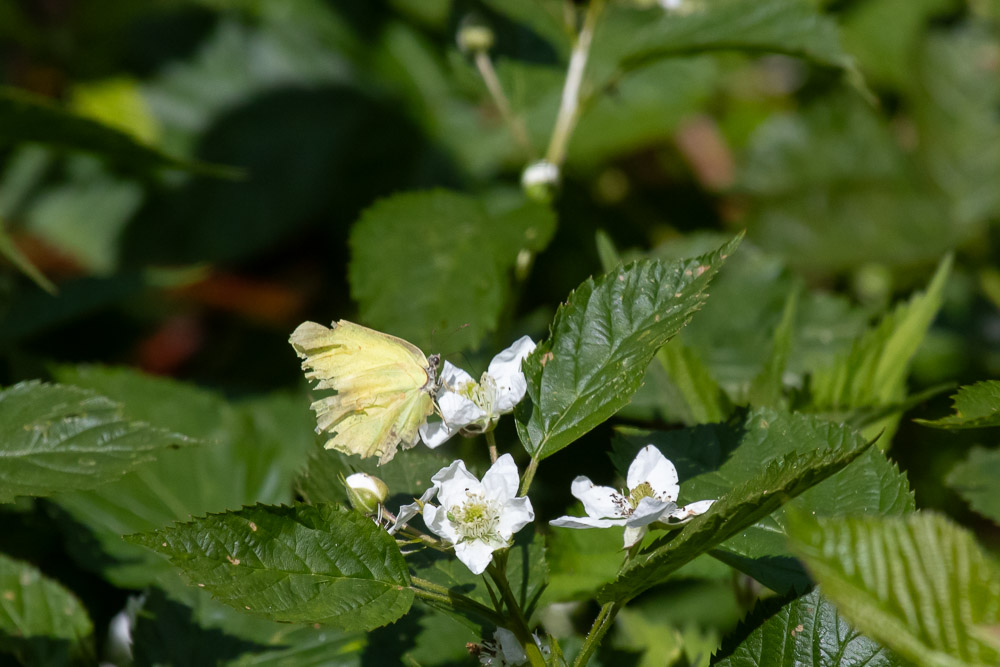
41,622
706,402
919,584
432,266
780,481
14,255
296,564
807,631
26,117
55,438
976,406
601,342
975,479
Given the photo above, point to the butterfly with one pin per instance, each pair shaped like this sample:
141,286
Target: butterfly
385,386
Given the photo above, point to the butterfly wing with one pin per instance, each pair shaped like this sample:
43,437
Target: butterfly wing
383,386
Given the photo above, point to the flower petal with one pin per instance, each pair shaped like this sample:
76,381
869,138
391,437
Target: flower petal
505,369
435,434
457,410
407,512
511,649
633,535
689,511
515,515
453,483
598,501
501,480
653,467
585,522
437,521
451,377
649,510
476,555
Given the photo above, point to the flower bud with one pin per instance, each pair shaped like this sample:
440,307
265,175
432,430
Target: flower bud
365,492
474,37
539,181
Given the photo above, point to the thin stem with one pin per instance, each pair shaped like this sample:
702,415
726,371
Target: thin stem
569,107
605,619
492,443
520,624
514,122
529,475
434,593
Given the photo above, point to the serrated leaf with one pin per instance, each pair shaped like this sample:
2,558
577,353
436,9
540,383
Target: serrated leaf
253,449
432,266
874,372
630,38
705,400
713,460
781,480
41,622
298,564
975,479
601,342
55,438
807,631
27,117
976,406
919,584
767,389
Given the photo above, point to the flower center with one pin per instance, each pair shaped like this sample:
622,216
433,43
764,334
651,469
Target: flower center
484,395
643,490
477,518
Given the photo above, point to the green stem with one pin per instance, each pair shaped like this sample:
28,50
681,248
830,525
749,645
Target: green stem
514,122
520,624
492,443
569,107
605,619
529,475
432,592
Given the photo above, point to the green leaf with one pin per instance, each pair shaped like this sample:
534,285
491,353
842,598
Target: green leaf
975,479
713,460
601,342
433,266
26,117
706,402
41,622
807,631
254,447
581,561
630,38
976,406
547,18
780,481
919,584
298,564
55,438
767,388
874,372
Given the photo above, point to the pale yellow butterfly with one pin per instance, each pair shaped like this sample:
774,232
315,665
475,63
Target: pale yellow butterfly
385,387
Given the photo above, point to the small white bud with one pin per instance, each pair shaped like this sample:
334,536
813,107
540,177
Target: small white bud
474,36
366,492
539,180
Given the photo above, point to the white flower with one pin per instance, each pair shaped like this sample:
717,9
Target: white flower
475,407
478,517
407,512
652,490
505,650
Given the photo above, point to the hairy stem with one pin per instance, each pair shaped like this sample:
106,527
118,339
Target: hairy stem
605,619
515,615
492,443
432,592
529,475
514,122
569,106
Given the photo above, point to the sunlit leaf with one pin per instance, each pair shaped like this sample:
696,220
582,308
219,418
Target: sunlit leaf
975,479
976,406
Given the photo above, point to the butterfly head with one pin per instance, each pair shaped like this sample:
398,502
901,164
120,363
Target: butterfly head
433,381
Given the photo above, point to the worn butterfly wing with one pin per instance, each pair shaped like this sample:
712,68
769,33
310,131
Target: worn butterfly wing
384,387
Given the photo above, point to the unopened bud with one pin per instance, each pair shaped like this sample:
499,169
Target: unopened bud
365,492
539,181
474,37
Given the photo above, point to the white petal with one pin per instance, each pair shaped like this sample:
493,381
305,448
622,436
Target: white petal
435,434
501,480
585,522
648,510
653,467
452,377
436,519
634,535
513,652
475,554
505,369
599,501
453,482
514,516
690,510
407,512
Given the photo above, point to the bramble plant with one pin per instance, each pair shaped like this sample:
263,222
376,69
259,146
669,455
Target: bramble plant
741,250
